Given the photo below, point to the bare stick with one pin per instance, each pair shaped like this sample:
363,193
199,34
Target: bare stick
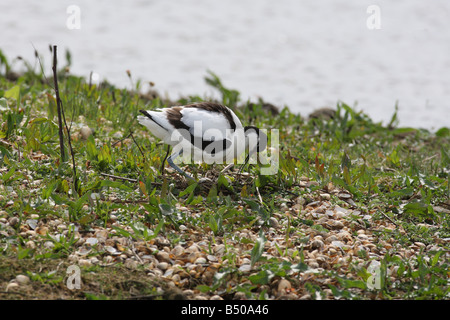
58,106
61,117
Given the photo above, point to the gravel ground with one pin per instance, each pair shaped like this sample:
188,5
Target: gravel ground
338,238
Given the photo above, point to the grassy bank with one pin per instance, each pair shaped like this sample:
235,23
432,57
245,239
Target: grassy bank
357,209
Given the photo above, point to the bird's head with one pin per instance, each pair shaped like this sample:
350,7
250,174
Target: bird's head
255,141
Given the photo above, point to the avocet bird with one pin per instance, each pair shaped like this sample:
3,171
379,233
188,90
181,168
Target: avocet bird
206,131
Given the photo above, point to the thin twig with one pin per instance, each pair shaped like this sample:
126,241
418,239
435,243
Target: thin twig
389,218
283,189
139,147
131,245
119,141
129,201
118,177
40,64
132,137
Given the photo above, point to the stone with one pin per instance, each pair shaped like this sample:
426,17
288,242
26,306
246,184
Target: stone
22,279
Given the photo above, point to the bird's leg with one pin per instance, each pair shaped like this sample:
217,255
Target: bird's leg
164,161
173,165
246,162
242,167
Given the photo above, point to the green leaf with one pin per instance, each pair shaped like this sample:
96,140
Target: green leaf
91,149
348,283
258,248
436,258
123,232
443,132
165,209
13,93
214,224
212,195
346,164
24,253
445,156
104,155
222,181
3,104
262,277
189,190
406,192
300,267
416,208
52,108
9,174
255,206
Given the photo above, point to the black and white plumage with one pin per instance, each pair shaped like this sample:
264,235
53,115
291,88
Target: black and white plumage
208,132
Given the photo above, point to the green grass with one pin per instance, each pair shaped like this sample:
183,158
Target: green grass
396,175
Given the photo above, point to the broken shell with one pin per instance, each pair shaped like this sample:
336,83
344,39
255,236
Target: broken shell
12,286
91,241
32,223
112,250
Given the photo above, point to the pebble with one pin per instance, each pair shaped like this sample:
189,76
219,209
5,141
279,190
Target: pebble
338,244
163,256
101,235
325,196
162,266
283,285
49,245
111,250
245,268
13,222
32,223
317,244
212,258
337,225
274,223
200,260
42,230
108,259
91,241
193,248
219,249
84,263
131,264
22,279
239,296
86,132
30,244
196,259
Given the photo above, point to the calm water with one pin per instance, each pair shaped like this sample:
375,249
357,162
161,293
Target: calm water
303,54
